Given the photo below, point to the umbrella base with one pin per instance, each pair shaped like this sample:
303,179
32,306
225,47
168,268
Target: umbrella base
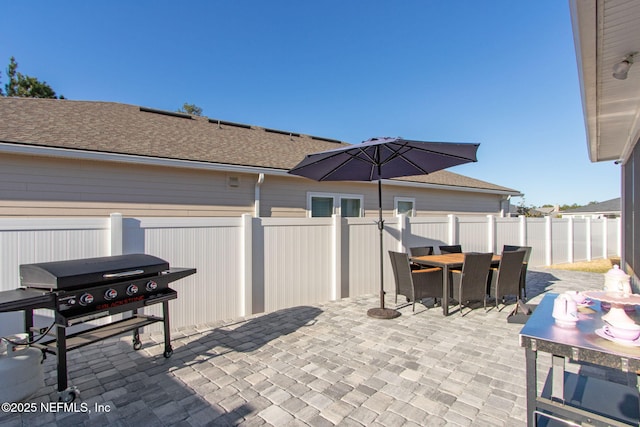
383,313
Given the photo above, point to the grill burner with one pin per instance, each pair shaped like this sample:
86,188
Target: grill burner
86,289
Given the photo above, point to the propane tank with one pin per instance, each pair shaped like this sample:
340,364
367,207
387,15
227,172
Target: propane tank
21,370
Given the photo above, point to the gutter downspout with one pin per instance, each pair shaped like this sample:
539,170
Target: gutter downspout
256,203
505,206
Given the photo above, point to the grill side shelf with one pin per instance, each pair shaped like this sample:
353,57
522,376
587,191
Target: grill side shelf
25,299
100,333
177,273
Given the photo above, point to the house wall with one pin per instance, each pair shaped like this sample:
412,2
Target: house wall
631,216
282,196
47,186
50,186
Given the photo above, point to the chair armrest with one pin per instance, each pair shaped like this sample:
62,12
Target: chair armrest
427,270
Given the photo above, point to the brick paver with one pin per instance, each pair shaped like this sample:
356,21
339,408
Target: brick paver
327,364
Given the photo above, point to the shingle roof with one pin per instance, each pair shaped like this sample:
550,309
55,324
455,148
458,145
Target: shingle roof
127,129
613,205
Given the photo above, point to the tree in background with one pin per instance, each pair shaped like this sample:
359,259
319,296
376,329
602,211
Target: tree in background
522,209
569,207
192,109
26,86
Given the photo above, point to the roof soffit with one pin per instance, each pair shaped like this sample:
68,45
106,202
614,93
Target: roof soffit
604,33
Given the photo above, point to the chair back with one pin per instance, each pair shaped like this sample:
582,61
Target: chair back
450,249
509,272
473,280
525,265
511,248
476,267
401,273
421,251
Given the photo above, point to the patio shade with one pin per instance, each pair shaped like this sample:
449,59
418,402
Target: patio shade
383,158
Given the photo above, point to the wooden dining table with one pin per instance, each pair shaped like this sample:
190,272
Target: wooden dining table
446,262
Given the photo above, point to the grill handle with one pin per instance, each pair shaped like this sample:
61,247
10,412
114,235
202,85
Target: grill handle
122,274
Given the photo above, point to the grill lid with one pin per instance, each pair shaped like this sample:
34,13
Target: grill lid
89,272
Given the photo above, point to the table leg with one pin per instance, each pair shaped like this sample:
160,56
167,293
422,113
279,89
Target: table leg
557,375
531,384
445,290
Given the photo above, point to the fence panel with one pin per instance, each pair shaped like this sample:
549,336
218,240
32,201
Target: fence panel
211,245
536,239
507,233
580,247
473,233
613,245
427,231
297,261
364,255
597,238
27,241
560,241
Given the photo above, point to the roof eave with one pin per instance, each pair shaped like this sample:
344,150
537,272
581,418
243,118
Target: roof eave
452,187
588,23
583,22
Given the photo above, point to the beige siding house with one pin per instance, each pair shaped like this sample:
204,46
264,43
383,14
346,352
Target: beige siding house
79,158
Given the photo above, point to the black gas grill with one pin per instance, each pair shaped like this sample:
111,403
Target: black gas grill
86,289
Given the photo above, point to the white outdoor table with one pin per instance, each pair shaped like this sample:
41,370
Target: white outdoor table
572,397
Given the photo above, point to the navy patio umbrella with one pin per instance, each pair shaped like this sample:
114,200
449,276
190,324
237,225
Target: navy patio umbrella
384,158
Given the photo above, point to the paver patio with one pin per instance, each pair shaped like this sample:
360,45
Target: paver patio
322,365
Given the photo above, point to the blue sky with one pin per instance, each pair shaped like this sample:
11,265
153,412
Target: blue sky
499,72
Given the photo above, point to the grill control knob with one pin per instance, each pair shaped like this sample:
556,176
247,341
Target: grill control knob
110,294
132,289
71,301
151,285
86,298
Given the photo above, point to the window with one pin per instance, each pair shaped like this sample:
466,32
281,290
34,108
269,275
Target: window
326,204
349,207
321,206
405,205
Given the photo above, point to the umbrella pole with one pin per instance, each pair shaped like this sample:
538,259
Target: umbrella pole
381,312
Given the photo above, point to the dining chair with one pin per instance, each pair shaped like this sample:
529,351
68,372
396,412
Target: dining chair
420,251
525,264
450,249
505,280
470,283
415,285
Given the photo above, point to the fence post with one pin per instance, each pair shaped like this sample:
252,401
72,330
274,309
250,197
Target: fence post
588,242
619,236
403,225
523,230
116,231
548,242
491,233
246,264
570,238
452,229
336,262
605,236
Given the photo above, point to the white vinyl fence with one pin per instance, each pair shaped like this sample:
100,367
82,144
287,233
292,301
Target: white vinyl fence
251,265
